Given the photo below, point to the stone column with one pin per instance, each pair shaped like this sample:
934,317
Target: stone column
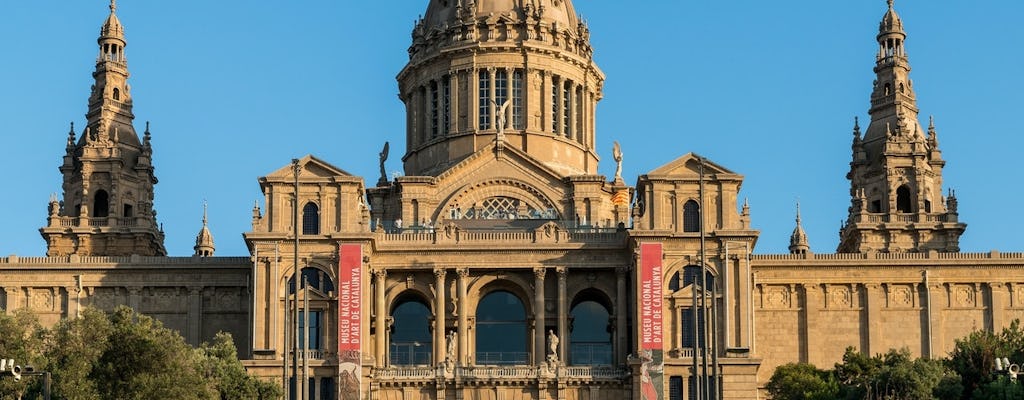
135,298
509,77
453,102
543,99
874,297
997,291
74,301
538,313
473,100
463,275
563,314
812,308
381,316
195,314
571,124
439,316
621,328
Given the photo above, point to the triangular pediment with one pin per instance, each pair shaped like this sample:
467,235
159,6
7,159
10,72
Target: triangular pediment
689,166
507,172
312,168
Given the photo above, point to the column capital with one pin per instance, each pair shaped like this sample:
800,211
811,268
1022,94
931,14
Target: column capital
539,273
621,271
562,272
135,290
192,290
440,273
462,272
380,273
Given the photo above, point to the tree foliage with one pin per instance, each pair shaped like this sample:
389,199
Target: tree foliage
802,382
124,355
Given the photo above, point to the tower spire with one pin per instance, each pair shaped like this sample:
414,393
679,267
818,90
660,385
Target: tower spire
108,172
798,240
204,240
896,171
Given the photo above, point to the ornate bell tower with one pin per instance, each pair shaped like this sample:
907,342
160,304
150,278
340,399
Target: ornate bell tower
896,173
107,207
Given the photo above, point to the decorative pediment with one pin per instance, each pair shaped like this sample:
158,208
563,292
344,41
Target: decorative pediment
312,168
504,181
689,166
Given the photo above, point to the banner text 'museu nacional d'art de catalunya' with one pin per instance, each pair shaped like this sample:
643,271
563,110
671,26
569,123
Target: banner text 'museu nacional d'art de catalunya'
350,297
652,381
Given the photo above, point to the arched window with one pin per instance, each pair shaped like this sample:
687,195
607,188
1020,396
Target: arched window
315,279
101,204
310,219
411,342
117,94
591,337
501,336
903,203
691,217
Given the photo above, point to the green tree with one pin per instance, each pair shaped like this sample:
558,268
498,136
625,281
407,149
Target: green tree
221,365
974,359
21,339
147,361
73,347
856,374
802,382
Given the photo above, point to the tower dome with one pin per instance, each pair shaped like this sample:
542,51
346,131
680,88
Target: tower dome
451,12
516,73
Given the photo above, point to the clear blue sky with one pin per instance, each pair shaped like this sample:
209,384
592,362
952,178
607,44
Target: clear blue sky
235,89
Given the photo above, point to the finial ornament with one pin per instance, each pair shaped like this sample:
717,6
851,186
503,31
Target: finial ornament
891,3
204,212
113,5
797,212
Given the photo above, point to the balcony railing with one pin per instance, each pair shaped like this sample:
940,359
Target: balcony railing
505,372
501,358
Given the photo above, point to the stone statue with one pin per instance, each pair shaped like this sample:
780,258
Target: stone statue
617,156
501,118
552,345
384,157
452,345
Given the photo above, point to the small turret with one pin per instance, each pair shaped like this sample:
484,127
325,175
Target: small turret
204,240
798,240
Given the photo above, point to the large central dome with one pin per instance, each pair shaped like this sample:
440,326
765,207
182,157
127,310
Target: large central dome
442,13
519,73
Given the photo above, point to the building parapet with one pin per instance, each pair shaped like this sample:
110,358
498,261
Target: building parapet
134,260
993,255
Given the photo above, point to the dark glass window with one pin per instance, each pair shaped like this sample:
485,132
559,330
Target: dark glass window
591,339
446,91
435,109
310,219
501,336
691,217
517,99
411,341
314,329
485,100
903,202
101,204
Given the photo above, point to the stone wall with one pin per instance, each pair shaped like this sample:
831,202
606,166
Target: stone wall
810,308
197,297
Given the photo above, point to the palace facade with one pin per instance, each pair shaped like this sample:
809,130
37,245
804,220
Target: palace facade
501,265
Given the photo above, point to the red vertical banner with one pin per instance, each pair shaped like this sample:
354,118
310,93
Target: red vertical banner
350,299
652,380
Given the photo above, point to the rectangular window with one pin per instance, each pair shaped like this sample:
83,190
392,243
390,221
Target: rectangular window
501,92
517,99
554,105
314,329
566,108
446,90
675,388
434,109
485,100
